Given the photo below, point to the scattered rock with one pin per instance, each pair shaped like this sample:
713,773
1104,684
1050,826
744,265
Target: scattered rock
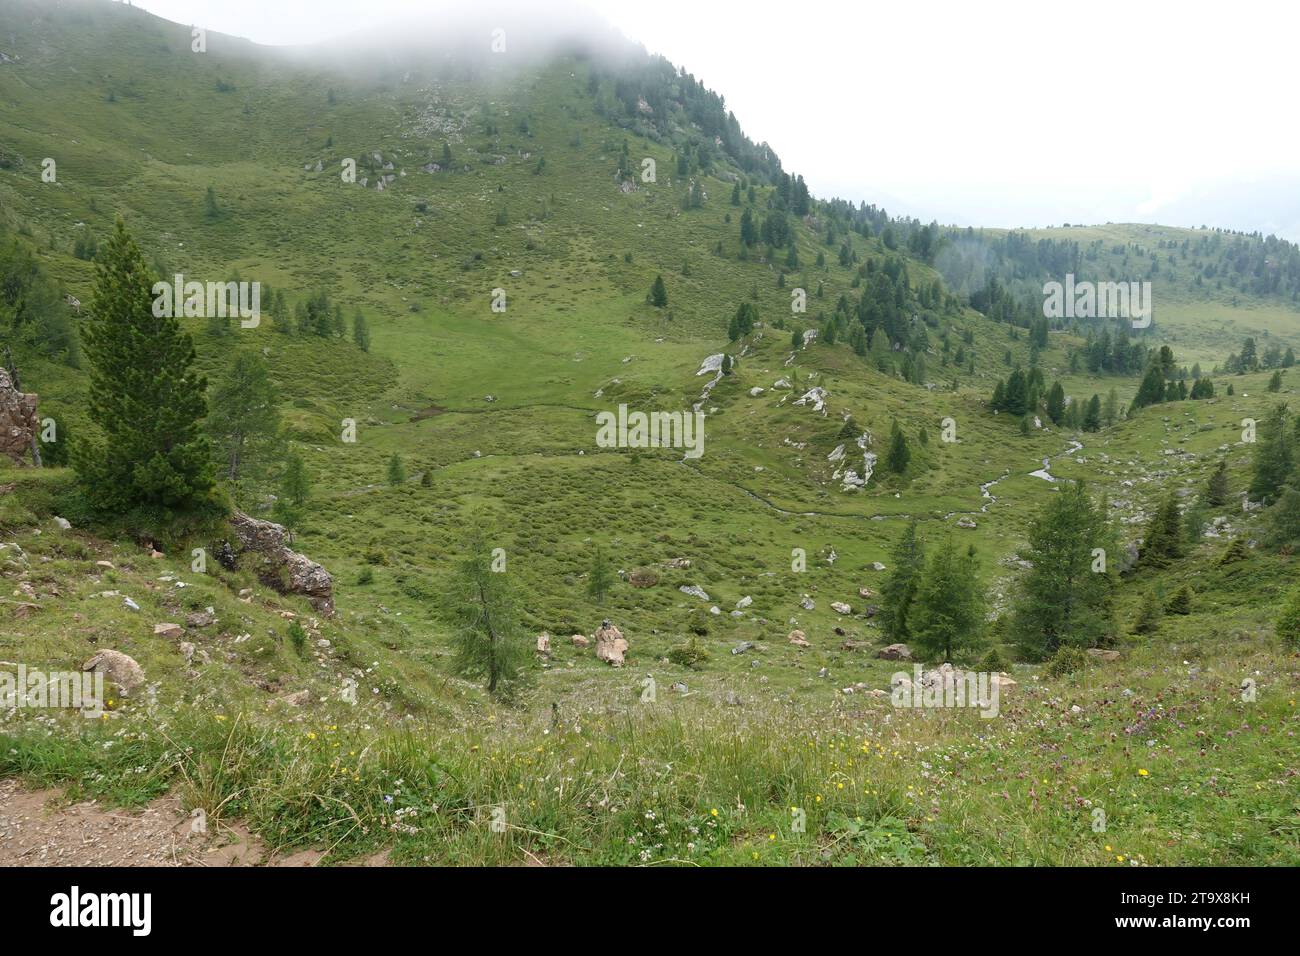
63,523
17,421
741,647
544,644
895,652
170,631
610,644
839,607
1103,655
287,571
694,590
205,618
120,668
798,639
299,698
580,640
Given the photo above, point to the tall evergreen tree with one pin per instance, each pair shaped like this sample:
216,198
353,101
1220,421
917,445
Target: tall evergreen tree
1065,598
1164,540
899,455
1216,490
899,589
482,606
361,331
145,398
948,614
658,293
244,423
1274,456
600,579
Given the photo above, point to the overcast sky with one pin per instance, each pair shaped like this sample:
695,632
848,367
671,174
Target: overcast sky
998,113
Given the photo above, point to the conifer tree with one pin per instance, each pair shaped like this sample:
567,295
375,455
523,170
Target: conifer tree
1164,540
899,455
599,578
145,398
361,331
948,614
396,470
1065,599
244,422
481,605
658,293
1273,455
899,589
1216,491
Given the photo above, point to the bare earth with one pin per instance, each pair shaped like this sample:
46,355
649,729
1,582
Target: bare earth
37,828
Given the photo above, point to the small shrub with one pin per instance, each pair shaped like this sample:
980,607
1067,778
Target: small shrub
1066,660
690,654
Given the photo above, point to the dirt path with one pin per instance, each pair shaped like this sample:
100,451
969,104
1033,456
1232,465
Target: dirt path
38,828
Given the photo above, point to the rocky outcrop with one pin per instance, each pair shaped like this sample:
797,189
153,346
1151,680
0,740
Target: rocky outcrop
280,567
895,652
610,644
17,421
120,668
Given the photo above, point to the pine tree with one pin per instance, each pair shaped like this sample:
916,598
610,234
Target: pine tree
899,455
481,605
1181,602
1164,540
1092,416
948,614
1216,491
658,293
295,489
244,423
1149,614
396,470
211,212
599,578
360,331
1273,456
1288,622
899,589
1065,599
1282,520
1056,403
1152,389
145,398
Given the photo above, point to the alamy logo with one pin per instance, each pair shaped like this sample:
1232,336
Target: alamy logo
652,430
77,690
134,910
1098,300
947,688
212,300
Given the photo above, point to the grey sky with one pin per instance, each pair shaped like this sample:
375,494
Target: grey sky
1003,113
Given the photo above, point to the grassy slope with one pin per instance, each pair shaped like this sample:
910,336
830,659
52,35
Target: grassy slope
574,315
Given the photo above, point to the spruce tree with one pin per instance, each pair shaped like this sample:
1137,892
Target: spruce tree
658,293
244,422
145,398
1164,540
481,605
1216,491
899,589
600,578
396,470
360,331
899,455
948,613
1273,456
1065,598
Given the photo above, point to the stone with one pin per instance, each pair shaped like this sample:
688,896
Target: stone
18,426
279,567
580,640
205,618
1005,682
807,603
744,602
798,639
187,651
895,652
610,644
171,631
1104,655
544,643
694,590
839,607
866,593
121,669
877,566
63,523
965,522
297,699
741,647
